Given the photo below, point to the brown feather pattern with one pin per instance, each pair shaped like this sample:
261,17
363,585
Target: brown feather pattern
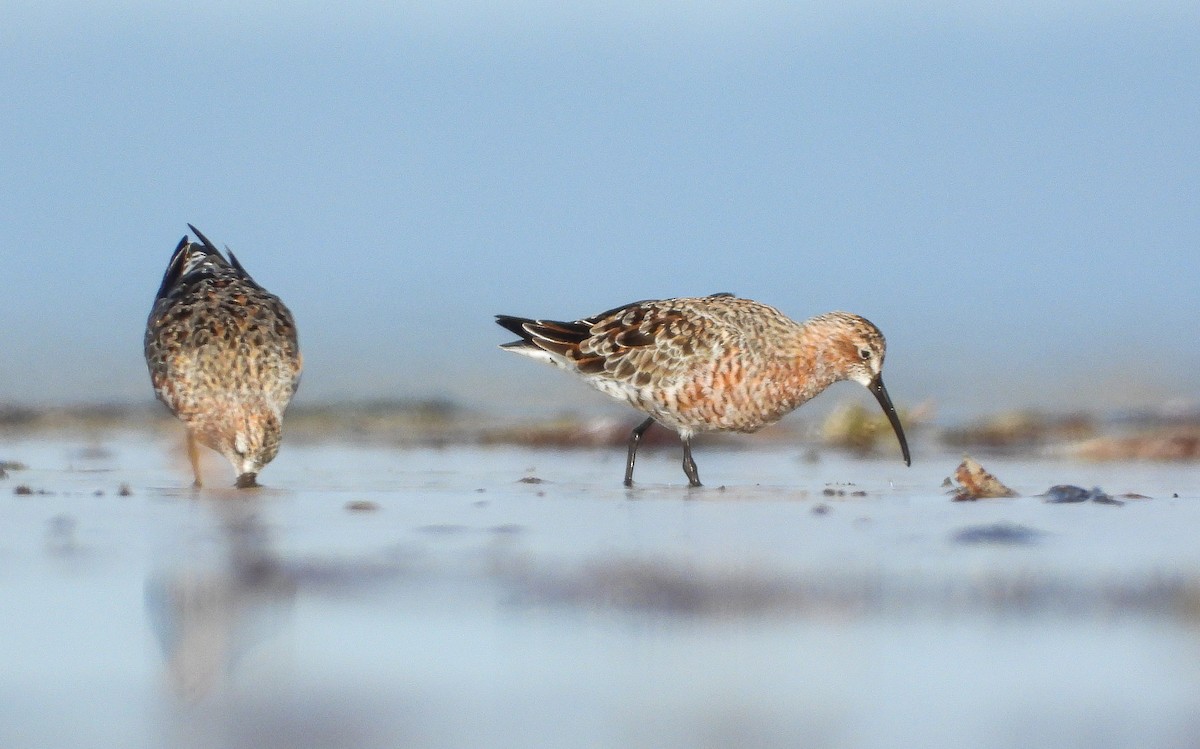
715,363
223,355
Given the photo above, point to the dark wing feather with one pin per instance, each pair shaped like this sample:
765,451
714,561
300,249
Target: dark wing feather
240,270
641,343
595,344
561,338
635,341
211,249
174,269
193,261
555,332
208,245
514,325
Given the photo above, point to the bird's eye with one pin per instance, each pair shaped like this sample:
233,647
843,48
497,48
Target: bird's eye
864,353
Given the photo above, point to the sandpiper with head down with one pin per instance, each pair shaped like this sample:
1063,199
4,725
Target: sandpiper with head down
223,356
709,364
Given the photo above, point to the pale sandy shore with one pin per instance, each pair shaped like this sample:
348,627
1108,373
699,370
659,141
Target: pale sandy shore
378,594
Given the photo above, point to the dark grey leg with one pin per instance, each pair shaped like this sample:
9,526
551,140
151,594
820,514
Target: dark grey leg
689,465
634,438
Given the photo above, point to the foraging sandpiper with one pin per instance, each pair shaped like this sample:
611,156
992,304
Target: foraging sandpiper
709,364
223,356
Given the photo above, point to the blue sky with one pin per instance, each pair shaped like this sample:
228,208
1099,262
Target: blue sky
1008,190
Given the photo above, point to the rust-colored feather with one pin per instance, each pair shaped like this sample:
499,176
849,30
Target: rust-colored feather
715,363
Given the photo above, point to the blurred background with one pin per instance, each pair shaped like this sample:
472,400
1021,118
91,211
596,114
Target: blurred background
1007,189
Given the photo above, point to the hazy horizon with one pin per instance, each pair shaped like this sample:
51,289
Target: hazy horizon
1008,192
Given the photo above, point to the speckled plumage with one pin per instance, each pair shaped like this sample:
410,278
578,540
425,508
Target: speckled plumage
223,356
704,364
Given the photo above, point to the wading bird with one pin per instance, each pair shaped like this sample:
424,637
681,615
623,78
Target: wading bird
223,356
709,364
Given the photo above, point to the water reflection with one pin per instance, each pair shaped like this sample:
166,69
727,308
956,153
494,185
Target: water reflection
210,612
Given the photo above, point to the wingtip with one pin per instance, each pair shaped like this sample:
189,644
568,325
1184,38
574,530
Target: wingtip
514,325
203,239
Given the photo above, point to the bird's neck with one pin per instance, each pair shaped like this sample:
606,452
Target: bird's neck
818,363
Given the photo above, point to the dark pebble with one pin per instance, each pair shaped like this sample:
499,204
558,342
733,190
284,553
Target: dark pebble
22,491
1066,493
531,480
1007,534
62,524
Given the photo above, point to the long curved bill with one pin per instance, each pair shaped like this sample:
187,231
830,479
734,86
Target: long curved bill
881,394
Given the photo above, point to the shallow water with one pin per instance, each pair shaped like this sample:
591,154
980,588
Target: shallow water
511,597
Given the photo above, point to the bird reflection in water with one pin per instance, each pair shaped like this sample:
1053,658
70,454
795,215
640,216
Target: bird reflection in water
216,608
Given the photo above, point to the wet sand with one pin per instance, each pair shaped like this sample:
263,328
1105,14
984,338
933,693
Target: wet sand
377,596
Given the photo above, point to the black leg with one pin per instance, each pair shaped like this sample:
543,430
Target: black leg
689,465
634,438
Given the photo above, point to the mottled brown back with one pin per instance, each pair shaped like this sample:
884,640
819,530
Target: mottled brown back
222,351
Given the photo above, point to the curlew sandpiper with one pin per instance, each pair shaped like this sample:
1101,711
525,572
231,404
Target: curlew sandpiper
709,364
223,356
